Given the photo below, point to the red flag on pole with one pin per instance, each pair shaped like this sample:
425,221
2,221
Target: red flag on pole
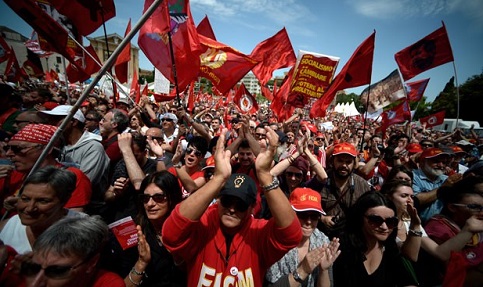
223,65
86,15
267,93
135,88
204,28
191,97
427,53
274,53
13,72
279,102
4,50
83,67
434,119
415,90
122,61
153,41
356,72
245,101
397,114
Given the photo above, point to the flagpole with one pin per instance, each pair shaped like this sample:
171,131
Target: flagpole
361,147
110,61
173,65
66,80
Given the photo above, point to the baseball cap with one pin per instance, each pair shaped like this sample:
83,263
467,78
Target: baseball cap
306,199
64,110
35,133
344,148
123,101
432,152
476,168
170,116
463,142
456,149
414,148
210,162
241,186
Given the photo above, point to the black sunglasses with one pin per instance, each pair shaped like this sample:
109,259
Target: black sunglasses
229,201
306,215
18,149
157,197
167,120
30,269
472,206
190,150
376,220
296,174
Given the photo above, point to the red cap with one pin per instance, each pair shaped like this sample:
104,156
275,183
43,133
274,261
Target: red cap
457,149
210,162
306,199
345,148
414,148
432,152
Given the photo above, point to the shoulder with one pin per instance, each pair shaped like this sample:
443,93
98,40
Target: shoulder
107,279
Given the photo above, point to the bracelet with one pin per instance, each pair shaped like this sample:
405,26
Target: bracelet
417,233
273,185
160,158
133,270
290,159
134,283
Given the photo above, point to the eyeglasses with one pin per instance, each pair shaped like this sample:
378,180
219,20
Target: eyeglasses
167,120
260,135
376,220
52,271
197,152
297,175
471,206
319,139
306,215
157,197
19,149
229,201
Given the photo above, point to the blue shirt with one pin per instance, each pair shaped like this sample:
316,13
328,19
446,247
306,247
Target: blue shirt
423,184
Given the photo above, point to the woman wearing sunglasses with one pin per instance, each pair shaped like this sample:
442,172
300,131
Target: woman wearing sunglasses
150,264
370,256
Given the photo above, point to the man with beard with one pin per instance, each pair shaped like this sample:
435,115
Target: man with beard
341,189
429,178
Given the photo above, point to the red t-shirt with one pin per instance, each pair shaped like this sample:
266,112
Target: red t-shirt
194,176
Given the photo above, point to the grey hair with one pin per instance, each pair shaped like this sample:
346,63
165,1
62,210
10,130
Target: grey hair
80,236
121,119
62,181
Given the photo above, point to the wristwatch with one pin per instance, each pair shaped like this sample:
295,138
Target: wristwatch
417,233
274,184
297,277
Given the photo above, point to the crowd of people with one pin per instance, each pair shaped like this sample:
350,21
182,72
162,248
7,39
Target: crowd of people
219,197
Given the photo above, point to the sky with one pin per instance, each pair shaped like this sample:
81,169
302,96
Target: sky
331,27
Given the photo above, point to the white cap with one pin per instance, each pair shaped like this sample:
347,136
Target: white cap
64,110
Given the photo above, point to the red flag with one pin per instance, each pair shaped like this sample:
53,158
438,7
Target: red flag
434,119
245,101
427,53
4,50
356,72
135,88
122,61
53,36
84,66
223,65
274,53
32,65
191,97
415,90
397,114
281,95
153,40
267,93
86,15
13,72
204,28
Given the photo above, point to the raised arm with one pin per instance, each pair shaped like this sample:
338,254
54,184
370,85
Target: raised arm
136,174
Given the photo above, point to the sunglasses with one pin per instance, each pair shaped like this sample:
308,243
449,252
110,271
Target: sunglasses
157,197
319,139
19,149
296,174
376,220
30,269
472,207
229,201
308,215
260,135
190,150
167,120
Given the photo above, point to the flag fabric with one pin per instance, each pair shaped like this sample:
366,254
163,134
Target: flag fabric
191,97
245,101
33,66
51,76
223,65
13,72
434,119
84,66
135,91
383,93
397,114
274,53
266,93
204,28
427,53
356,72
279,103
154,42
86,15
4,50
122,61
52,36
415,90
33,45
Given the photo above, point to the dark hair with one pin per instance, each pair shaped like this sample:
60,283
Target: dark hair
455,193
120,118
139,140
212,143
200,143
95,114
244,144
390,187
61,180
399,168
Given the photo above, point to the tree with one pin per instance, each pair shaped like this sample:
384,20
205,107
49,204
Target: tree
446,100
471,99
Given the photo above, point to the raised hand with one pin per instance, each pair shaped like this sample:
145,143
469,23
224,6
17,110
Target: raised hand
265,158
330,254
144,250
